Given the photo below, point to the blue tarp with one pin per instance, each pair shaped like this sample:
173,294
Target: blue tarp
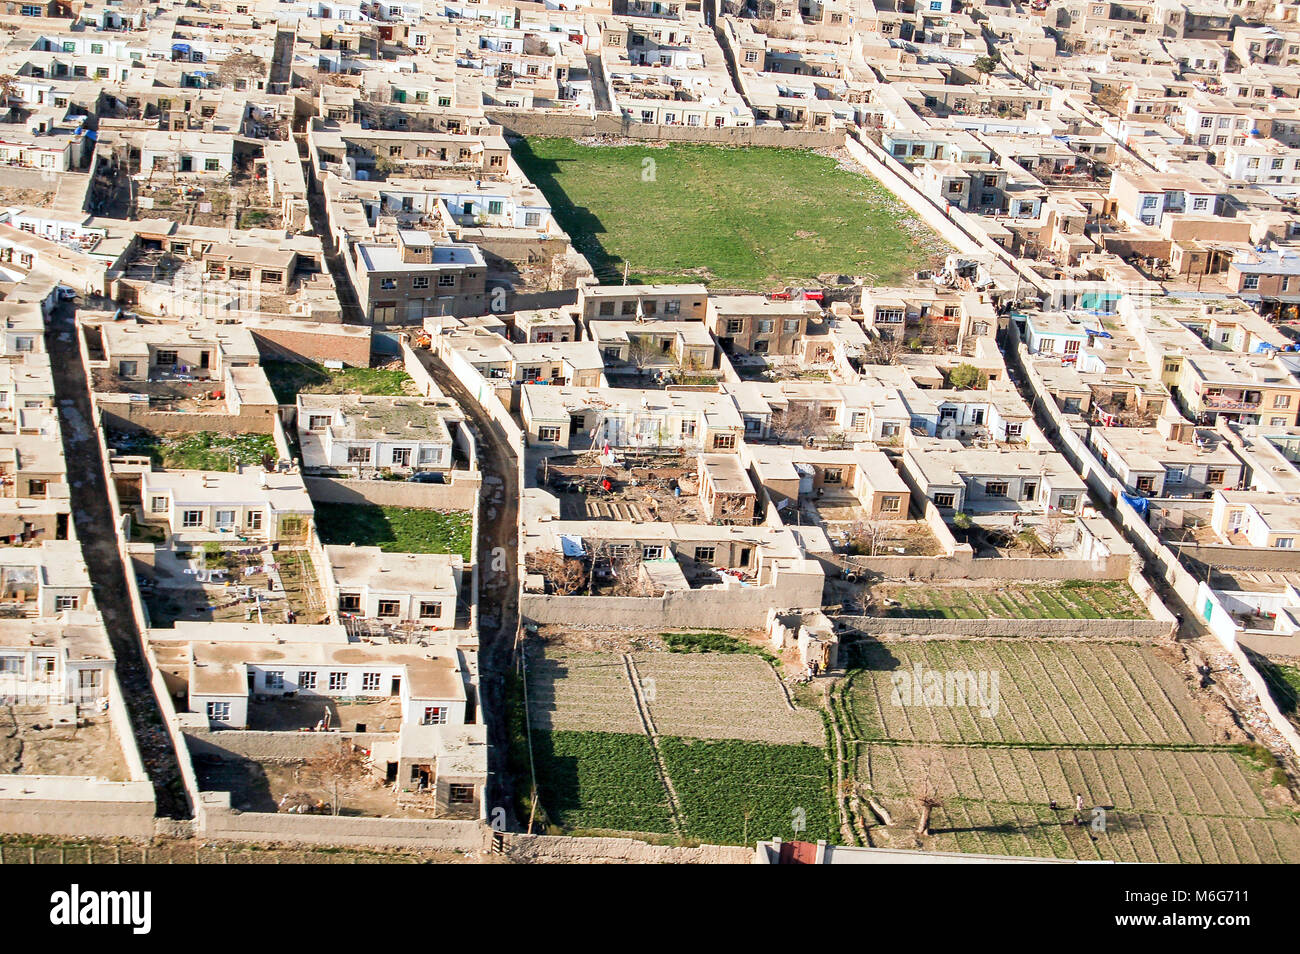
571,545
1138,503
180,47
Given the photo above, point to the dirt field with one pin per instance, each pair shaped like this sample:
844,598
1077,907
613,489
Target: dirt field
30,745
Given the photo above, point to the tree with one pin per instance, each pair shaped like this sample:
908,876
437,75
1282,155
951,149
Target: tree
237,66
566,575
8,89
965,376
797,423
925,771
1055,528
338,766
884,349
868,536
987,64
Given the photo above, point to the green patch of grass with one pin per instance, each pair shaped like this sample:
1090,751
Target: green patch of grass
729,217
735,793
396,529
712,641
201,450
600,780
290,378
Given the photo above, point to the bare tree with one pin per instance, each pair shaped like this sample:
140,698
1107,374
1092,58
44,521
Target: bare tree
885,349
237,66
566,575
868,536
1056,529
798,422
925,771
338,765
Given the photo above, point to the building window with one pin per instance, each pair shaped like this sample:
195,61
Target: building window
349,602
434,715
1285,543
1214,475
388,607
945,501
358,455
338,681
370,681
705,554
66,603
158,505
307,680
275,680
254,520
459,793
551,434
833,475
1250,281
1281,400
192,518
219,711
996,488
211,165
446,281
724,441
430,609
891,504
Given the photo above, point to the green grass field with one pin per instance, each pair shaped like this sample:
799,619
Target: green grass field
750,218
289,378
395,529
1073,599
201,450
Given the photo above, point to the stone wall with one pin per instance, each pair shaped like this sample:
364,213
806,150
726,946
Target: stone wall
221,821
460,494
312,342
272,746
740,607
527,122
564,849
76,807
136,416
1012,628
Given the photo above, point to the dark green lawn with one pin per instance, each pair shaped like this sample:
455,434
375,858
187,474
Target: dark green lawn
200,450
751,218
395,529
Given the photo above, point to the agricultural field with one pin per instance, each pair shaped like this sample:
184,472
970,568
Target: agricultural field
739,759
722,697
1114,722
749,218
734,793
197,450
1072,599
289,378
600,781
1049,693
396,529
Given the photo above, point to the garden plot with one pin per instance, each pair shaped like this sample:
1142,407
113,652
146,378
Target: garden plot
581,691
993,828
705,696
1048,693
1160,781
735,793
1072,599
600,781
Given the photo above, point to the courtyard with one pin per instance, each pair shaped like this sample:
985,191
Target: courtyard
751,218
